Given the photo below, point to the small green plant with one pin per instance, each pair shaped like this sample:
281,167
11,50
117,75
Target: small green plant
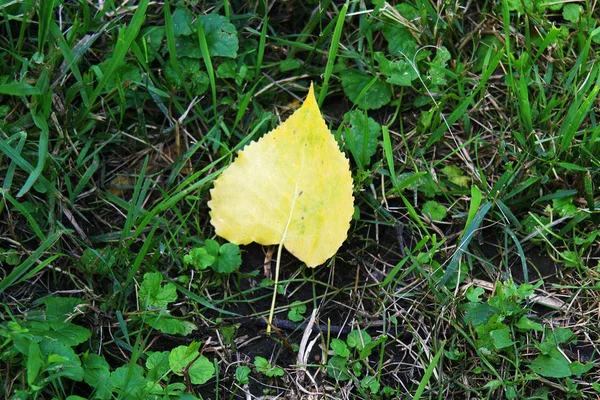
503,328
223,259
296,312
45,345
349,358
155,298
241,374
263,366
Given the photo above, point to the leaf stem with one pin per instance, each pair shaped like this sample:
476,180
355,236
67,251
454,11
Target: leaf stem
277,265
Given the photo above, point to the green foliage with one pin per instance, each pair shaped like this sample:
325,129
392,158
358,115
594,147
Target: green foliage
223,259
46,345
367,92
434,210
115,120
156,298
263,366
241,374
350,357
362,137
187,360
502,326
296,312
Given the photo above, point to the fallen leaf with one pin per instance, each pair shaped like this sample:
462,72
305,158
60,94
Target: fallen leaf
291,187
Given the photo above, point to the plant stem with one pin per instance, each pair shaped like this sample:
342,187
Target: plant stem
277,265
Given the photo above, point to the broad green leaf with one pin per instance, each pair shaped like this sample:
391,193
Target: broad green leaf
437,68
474,294
339,348
241,374
337,368
577,368
556,366
97,375
157,364
263,366
200,369
221,35
366,91
358,339
153,294
434,210
229,259
199,258
401,42
61,360
292,187
171,326
362,136
182,22
571,12
368,348
130,378
34,362
525,324
297,309
399,72
501,338
67,333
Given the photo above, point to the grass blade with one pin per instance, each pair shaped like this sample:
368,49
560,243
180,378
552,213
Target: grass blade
42,154
335,43
464,242
429,372
23,271
123,44
18,89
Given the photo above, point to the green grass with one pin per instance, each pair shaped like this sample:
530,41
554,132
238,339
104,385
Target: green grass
472,264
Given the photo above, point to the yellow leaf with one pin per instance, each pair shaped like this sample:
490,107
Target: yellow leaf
292,187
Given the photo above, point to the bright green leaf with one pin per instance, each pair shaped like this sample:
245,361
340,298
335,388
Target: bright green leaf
434,210
358,339
297,309
571,12
401,42
339,348
551,367
97,375
201,371
241,374
170,325
502,338
399,72
199,258
474,294
337,368
228,260
158,365
525,325
263,366
152,294
577,368
437,68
